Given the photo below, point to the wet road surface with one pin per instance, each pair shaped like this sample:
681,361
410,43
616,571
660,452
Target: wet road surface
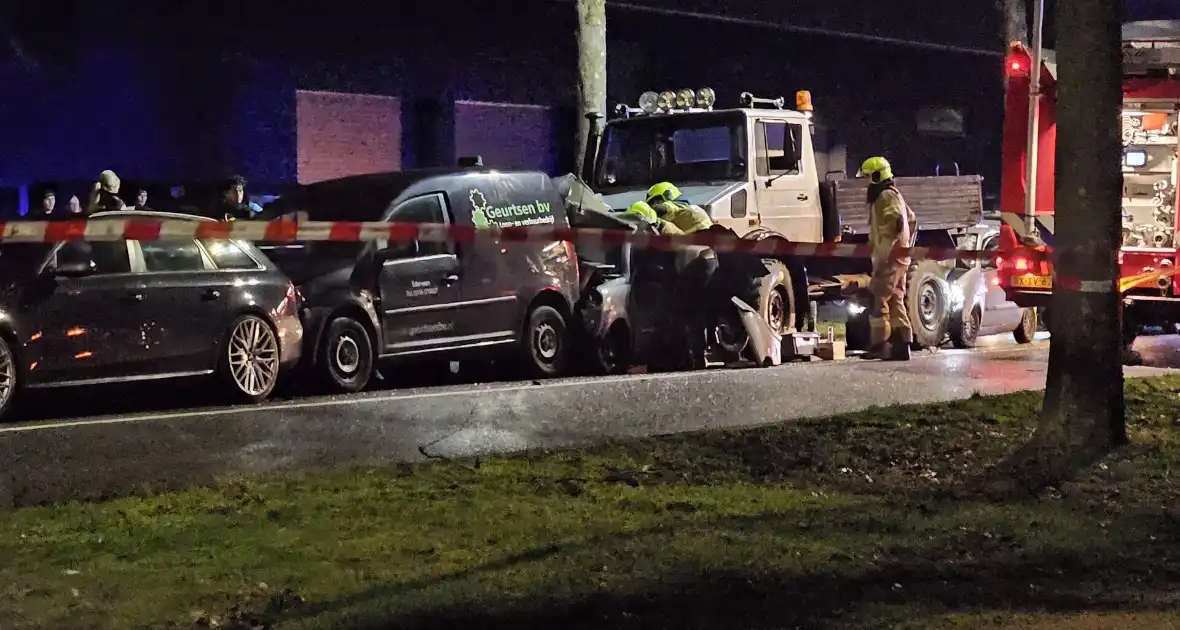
105,455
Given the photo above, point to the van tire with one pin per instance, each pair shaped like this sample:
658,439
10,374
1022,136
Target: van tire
344,359
546,343
928,303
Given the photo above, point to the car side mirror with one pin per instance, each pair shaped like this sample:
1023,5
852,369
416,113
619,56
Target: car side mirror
71,269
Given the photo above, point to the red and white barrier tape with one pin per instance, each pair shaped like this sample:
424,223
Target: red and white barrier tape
289,231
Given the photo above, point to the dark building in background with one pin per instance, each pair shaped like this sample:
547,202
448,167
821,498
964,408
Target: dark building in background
161,92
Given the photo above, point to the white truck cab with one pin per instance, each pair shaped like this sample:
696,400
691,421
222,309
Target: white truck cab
749,167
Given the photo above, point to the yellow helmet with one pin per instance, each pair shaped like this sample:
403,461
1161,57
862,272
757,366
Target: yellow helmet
642,209
877,169
663,190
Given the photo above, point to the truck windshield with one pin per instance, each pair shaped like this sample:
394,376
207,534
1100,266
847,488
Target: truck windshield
679,148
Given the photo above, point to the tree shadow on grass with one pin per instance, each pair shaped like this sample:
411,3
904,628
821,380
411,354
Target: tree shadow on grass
938,575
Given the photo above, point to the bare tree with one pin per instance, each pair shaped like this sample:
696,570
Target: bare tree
1015,18
1082,418
591,68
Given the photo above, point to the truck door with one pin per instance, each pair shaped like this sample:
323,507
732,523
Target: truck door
419,286
786,187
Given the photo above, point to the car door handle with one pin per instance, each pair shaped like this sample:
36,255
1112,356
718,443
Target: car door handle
802,197
211,294
133,297
451,279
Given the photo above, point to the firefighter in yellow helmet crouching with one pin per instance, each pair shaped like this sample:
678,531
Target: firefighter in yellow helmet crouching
664,198
644,212
891,229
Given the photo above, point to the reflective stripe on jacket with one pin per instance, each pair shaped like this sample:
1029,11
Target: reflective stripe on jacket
890,224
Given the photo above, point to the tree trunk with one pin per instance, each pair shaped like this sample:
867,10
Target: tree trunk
1082,418
591,68
1015,17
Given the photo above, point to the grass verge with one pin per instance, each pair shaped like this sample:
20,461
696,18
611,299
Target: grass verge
836,523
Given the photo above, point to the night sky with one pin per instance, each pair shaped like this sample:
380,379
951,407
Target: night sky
1153,9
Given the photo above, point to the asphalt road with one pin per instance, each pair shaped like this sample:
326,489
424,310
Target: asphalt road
101,456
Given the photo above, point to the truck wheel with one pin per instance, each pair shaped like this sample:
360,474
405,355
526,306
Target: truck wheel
1027,331
546,343
928,303
964,328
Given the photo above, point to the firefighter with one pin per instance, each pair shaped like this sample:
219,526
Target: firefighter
695,277
891,223
665,199
645,212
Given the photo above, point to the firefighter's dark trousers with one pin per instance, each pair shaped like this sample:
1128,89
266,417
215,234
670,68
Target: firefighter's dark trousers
693,302
889,318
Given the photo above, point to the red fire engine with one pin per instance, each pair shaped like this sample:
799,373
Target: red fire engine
1150,253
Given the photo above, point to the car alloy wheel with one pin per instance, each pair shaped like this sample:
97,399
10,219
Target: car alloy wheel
253,357
8,377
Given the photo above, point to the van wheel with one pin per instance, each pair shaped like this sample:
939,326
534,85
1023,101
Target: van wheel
965,328
345,356
1027,331
9,379
928,303
250,359
546,343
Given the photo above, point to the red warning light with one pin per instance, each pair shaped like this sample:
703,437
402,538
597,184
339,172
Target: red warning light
1015,66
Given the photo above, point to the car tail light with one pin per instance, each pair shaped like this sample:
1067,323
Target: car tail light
1020,264
291,302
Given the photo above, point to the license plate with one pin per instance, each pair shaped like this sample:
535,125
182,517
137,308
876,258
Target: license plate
1031,281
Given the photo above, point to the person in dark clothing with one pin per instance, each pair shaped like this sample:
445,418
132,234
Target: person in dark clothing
74,210
141,199
105,197
45,208
692,290
232,204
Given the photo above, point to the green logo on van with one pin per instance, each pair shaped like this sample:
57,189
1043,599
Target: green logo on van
484,214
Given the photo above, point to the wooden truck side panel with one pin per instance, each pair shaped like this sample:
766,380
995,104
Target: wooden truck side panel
941,203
